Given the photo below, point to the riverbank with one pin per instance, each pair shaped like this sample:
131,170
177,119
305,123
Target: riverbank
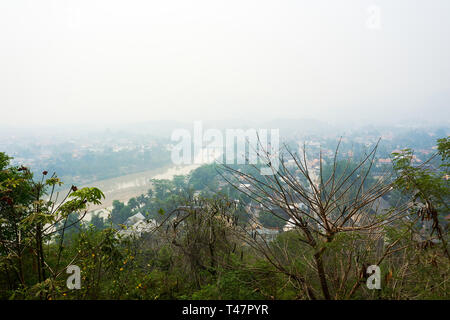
132,185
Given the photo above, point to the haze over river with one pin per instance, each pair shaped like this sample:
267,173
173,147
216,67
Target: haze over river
125,187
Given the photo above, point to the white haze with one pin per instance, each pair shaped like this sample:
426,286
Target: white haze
105,61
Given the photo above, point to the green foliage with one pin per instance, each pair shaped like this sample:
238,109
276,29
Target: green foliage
444,149
31,217
205,177
423,181
428,185
120,212
199,252
98,222
269,220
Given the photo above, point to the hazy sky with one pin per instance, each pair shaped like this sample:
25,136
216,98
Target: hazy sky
111,61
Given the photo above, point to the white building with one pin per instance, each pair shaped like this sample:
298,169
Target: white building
136,225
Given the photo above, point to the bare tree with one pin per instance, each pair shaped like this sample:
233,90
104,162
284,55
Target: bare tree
320,206
200,234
